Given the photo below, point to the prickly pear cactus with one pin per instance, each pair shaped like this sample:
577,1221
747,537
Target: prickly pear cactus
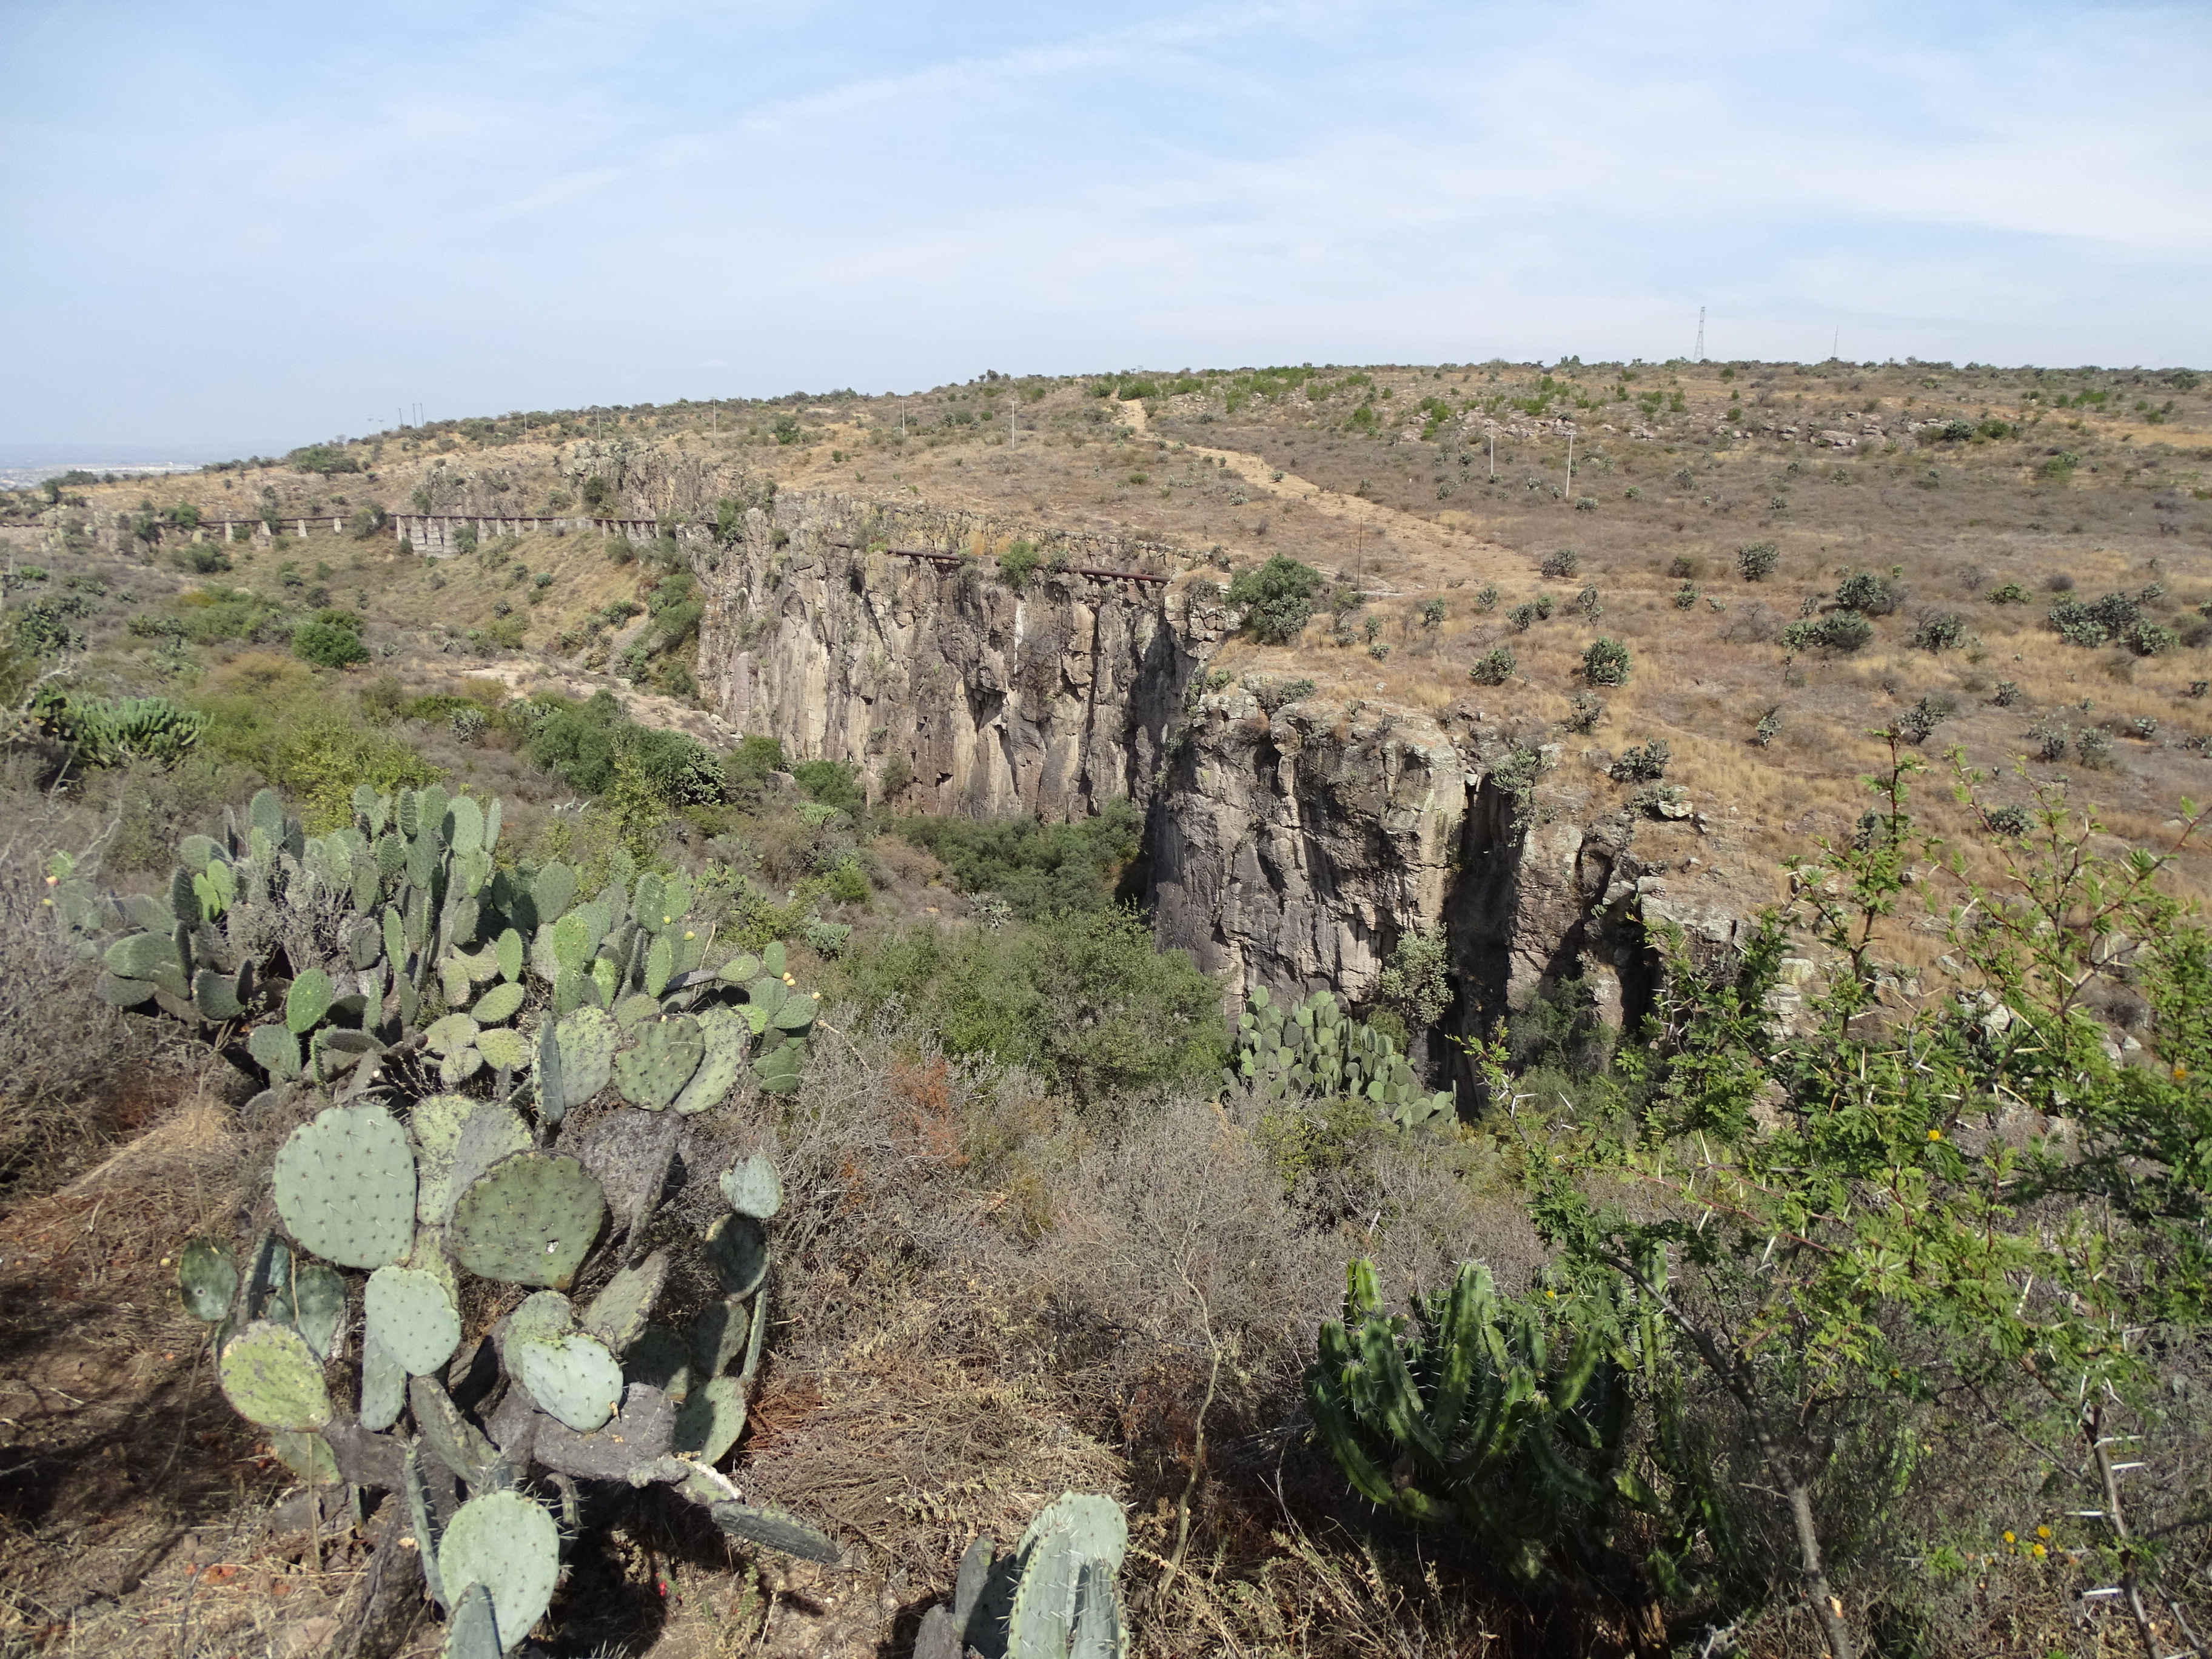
448,1021
1313,1050
1054,1596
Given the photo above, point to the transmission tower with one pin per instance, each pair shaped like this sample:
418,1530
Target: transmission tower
1701,334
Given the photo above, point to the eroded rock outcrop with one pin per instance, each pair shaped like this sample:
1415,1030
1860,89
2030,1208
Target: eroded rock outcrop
1291,844
953,692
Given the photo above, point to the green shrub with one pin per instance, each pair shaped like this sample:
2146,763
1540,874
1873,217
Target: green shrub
1867,594
2114,619
1086,1001
2007,594
1040,870
1642,763
324,458
1486,597
1018,564
1945,631
834,783
1493,667
1757,562
1277,599
1605,662
1561,564
1842,632
332,640
1686,597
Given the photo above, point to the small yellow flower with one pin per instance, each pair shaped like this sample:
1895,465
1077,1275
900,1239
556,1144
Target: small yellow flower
2009,1539
1935,1134
2181,1074
2043,1532
2039,1552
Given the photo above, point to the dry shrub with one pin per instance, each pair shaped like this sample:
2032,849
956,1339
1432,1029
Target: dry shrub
985,1299
76,1074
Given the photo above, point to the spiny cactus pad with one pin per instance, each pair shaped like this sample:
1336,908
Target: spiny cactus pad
207,1279
738,1250
528,1220
776,1530
308,1456
659,1359
276,1050
729,1039
503,1047
507,1543
617,1314
652,1071
345,1186
718,1334
711,1418
586,1039
451,1437
572,1376
412,1315
489,1132
753,1187
502,1002
383,1386
473,1632
269,1373
307,1001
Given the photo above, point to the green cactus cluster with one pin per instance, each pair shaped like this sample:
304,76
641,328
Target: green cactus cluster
1053,1596
1314,1049
1511,1419
399,939
449,1015
600,1392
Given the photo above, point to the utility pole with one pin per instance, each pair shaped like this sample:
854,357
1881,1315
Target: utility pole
1835,346
1701,334
1571,463
1493,452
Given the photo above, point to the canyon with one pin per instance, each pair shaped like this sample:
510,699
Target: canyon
1292,840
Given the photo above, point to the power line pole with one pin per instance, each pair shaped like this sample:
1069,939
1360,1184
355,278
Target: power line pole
1571,463
1701,334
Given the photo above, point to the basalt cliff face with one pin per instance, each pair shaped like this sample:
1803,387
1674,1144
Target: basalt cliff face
859,633
1292,845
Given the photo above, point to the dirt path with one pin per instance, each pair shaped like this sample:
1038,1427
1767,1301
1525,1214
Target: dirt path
1431,554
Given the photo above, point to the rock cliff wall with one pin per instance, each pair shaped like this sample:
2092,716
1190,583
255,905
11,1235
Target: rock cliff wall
952,692
1291,845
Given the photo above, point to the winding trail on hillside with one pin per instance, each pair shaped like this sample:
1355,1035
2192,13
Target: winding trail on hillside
1448,556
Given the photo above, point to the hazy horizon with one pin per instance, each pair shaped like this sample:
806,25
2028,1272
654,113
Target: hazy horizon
241,229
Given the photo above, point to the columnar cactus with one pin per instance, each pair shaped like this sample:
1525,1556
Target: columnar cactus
1511,1421
460,1013
1314,1049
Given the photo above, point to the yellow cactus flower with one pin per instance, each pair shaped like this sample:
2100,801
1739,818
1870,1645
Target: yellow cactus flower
1935,1134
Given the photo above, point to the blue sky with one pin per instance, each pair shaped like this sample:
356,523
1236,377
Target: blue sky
245,226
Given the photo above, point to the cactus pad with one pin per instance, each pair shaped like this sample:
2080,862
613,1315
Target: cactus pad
633,1012
659,965
572,1376
503,1001
654,1070
552,892
464,825
383,1386
269,1373
311,1301
503,1048
528,1220
451,1437
753,1187
508,1544
411,1314
508,949
307,1001
617,1314
718,1334
659,1359
586,1039
214,995
308,1456
345,1186
711,1418
207,1279
437,1122
728,1039
473,1631
773,1529
489,1132
738,1250
276,1050
451,1034
777,1072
